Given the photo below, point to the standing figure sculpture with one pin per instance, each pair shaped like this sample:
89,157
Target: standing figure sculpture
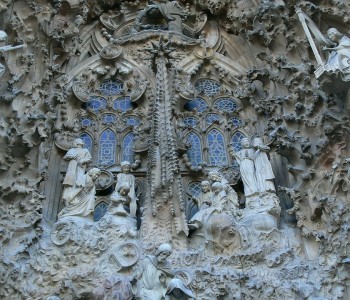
339,57
263,169
245,159
127,179
80,200
155,280
5,48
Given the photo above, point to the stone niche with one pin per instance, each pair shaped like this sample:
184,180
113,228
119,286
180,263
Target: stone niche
174,149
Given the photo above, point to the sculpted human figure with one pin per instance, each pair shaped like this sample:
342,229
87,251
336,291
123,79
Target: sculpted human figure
114,287
263,169
245,159
339,57
125,178
155,279
80,201
118,198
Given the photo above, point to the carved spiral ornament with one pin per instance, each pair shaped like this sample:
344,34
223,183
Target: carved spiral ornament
61,232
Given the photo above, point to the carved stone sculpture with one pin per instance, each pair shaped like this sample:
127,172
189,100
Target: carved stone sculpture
263,169
127,179
114,287
4,48
155,278
80,200
245,159
119,198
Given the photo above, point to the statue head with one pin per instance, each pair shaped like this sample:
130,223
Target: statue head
78,142
257,141
163,252
334,35
3,36
94,173
245,142
215,176
205,185
125,166
217,187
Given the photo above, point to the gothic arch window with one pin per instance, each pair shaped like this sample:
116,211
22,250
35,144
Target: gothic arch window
225,104
207,86
87,141
236,140
211,118
194,190
217,148
131,121
128,142
195,151
100,210
86,122
122,104
191,121
111,87
108,119
236,122
97,103
107,148
197,104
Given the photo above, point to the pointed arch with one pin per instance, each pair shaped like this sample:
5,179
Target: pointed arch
195,151
87,141
236,140
217,148
107,148
100,210
128,143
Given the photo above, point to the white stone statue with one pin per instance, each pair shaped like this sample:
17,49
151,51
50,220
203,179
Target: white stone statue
339,57
5,48
80,201
263,169
245,159
119,198
125,178
155,279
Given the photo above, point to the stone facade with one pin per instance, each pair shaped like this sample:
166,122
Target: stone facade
174,149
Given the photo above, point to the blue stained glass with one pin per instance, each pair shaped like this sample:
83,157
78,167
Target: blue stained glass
86,122
194,188
87,141
207,86
212,118
236,140
225,104
197,104
195,152
131,121
128,142
108,119
100,210
217,148
190,121
107,146
236,122
111,88
97,103
122,103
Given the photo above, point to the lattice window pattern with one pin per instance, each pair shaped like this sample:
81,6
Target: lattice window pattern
85,122
225,104
197,104
123,104
236,122
97,103
107,148
100,210
195,151
111,88
128,142
108,119
236,140
207,86
217,148
131,121
194,188
190,121
211,118
87,141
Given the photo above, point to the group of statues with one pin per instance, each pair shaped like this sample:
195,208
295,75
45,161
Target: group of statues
79,187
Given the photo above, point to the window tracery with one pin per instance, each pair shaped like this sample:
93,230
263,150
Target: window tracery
207,86
236,140
128,153
197,104
97,103
87,141
217,148
107,148
225,104
195,151
100,210
111,87
122,103
191,121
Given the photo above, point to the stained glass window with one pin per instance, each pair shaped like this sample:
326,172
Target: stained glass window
100,210
85,122
197,104
207,86
111,88
97,103
190,121
195,151
108,119
131,121
107,147
122,103
87,141
236,122
212,118
236,140
217,148
128,142
225,104
194,188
